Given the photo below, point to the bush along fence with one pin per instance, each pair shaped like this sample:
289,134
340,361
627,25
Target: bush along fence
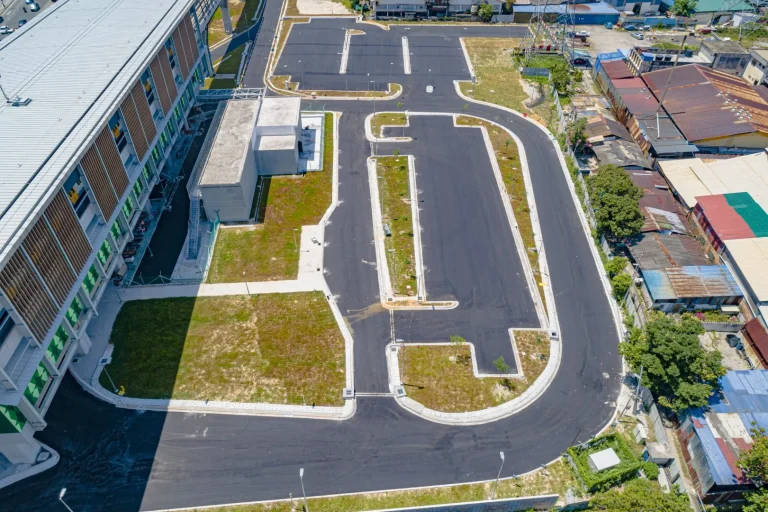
578,458
526,71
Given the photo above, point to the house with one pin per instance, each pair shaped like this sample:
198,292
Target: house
677,289
604,459
756,71
715,111
643,59
712,12
712,438
749,260
621,153
725,56
733,216
756,335
661,211
658,251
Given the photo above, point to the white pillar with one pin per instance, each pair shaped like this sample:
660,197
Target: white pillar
225,17
84,344
21,447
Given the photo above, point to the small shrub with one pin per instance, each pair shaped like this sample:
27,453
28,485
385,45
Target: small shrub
626,469
651,470
620,285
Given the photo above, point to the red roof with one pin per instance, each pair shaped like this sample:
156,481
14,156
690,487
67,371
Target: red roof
617,69
758,338
727,224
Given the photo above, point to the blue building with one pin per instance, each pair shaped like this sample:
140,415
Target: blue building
596,13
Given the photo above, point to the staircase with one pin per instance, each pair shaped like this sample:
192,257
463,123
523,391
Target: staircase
193,234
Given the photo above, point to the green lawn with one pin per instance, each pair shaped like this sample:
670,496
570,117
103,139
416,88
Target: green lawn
281,348
440,376
388,119
219,83
266,251
230,63
395,198
241,12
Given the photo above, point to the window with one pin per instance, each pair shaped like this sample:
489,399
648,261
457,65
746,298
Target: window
6,325
56,347
128,206
118,132
169,50
105,251
37,384
91,280
138,188
116,231
147,173
74,312
156,154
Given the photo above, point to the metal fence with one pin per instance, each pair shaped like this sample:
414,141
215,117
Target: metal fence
526,71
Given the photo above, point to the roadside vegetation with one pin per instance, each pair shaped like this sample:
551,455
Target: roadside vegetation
395,198
754,463
241,12
615,200
277,348
750,34
387,119
269,251
508,158
440,377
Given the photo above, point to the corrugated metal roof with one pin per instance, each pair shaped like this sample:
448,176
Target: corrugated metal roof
757,337
621,153
691,282
721,6
755,217
701,102
750,255
655,251
617,69
575,9
74,61
725,221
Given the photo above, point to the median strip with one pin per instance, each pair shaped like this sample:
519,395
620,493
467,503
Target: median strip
406,57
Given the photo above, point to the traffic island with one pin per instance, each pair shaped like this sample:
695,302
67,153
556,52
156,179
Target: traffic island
444,377
388,120
274,348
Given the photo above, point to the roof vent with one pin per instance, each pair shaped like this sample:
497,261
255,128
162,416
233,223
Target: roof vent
19,101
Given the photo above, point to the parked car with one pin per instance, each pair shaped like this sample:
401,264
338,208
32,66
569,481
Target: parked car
34,7
646,27
638,35
22,23
629,27
29,2
5,30
582,33
608,25
2,19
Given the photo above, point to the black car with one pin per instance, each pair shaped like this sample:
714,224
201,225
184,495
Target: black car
22,23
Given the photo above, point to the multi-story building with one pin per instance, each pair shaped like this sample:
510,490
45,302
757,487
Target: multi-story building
429,8
96,94
756,71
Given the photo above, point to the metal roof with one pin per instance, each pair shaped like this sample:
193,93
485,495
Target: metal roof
734,216
722,6
691,282
617,69
74,61
575,9
750,256
707,104
621,153
654,251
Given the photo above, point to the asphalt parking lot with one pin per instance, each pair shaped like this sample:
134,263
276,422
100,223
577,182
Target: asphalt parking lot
469,251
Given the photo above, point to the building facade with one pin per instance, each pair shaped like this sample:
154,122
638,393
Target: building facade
92,121
756,72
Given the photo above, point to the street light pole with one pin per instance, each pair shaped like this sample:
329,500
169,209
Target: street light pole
496,485
61,499
301,477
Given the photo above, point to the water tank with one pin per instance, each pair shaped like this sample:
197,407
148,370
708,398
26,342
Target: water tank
473,10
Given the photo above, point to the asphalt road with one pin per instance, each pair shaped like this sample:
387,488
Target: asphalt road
14,11
118,460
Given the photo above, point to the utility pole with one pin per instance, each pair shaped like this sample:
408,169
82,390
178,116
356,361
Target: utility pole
666,87
301,477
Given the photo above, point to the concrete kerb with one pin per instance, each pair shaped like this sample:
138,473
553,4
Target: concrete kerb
470,67
421,286
513,225
406,56
34,469
374,138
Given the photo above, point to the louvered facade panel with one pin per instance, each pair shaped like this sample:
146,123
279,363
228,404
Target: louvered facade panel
163,92
165,65
65,225
105,143
97,178
145,115
181,52
28,296
50,262
190,33
131,116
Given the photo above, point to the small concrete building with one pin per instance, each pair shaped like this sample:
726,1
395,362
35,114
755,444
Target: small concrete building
228,182
725,56
277,136
756,71
604,459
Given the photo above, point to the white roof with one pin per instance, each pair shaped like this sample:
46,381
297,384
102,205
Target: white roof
74,61
692,177
750,255
225,162
280,112
604,459
277,142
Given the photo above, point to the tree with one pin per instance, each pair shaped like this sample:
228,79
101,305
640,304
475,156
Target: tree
485,12
559,74
615,200
640,494
616,265
577,133
758,501
683,7
457,342
676,369
620,284
501,365
754,461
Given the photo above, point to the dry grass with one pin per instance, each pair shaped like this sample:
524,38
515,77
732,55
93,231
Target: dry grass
241,12
387,119
440,377
395,198
269,251
280,80
508,158
498,77
279,348
293,9
555,479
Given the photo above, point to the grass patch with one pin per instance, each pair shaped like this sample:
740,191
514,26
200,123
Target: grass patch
267,251
440,377
280,80
229,64
751,33
293,9
241,12
391,89
508,158
498,77
219,83
388,119
555,479
278,348
626,469
395,198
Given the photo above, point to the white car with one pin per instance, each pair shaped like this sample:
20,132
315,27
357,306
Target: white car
5,30
582,33
34,7
638,35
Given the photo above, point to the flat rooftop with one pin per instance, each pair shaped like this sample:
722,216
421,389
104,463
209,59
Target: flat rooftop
224,165
280,112
750,255
74,60
277,142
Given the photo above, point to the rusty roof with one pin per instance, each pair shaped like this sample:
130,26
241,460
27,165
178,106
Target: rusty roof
655,251
617,69
604,127
691,282
708,104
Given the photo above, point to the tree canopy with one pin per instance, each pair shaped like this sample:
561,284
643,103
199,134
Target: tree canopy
485,12
640,494
676,369
683,7
615,200
754,461
577,133
757,501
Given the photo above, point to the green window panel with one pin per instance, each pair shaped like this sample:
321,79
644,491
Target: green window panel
116,231
156,155
138,188
74,312
128,206
11,419
147,172
91,280
56,347
105,251
165,139
36,385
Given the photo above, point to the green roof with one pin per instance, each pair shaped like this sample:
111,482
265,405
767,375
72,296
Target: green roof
755,217
721,6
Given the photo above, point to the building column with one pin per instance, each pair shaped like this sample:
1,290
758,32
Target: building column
20,447
225,17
